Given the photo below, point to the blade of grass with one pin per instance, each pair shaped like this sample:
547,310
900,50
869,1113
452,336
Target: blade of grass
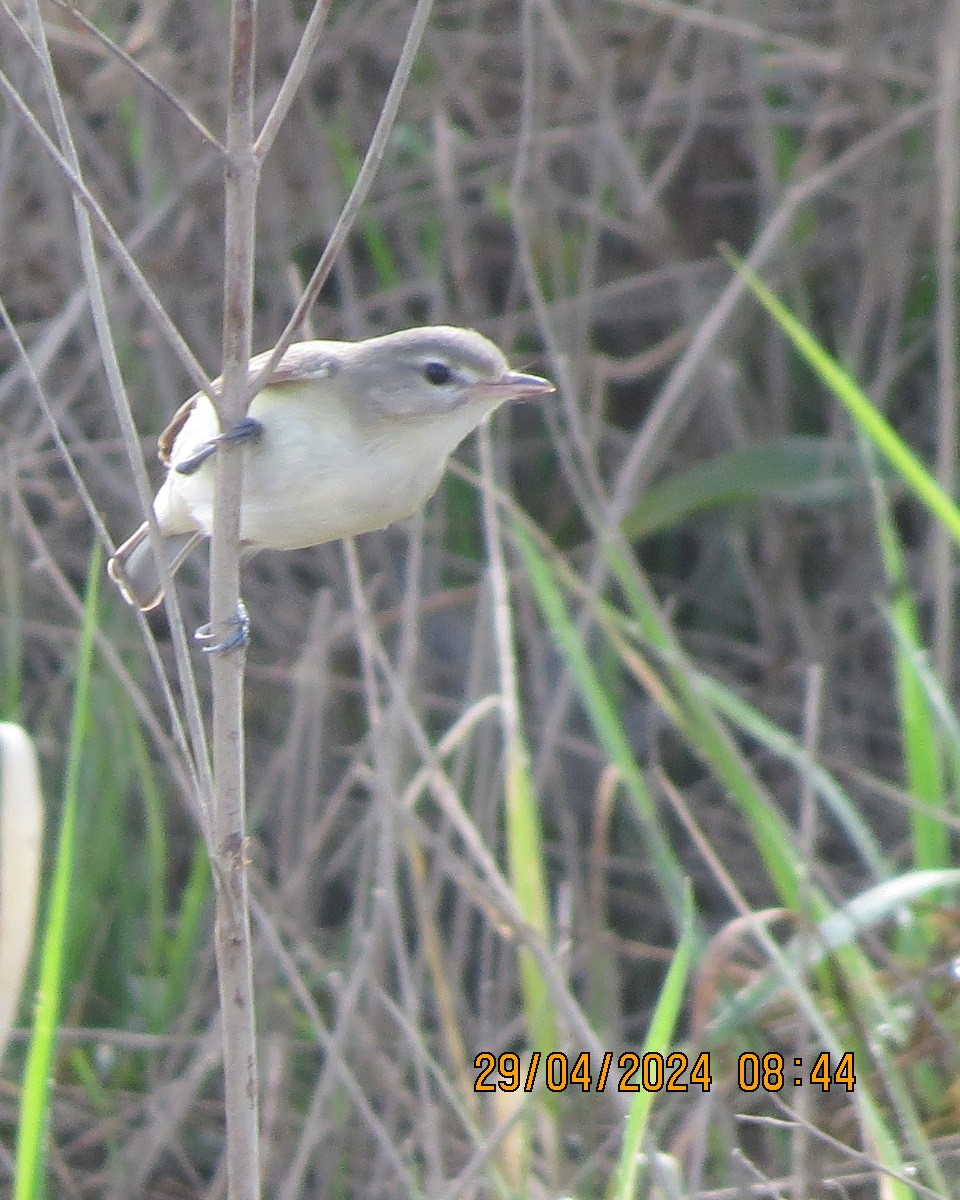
526,855
933,691
774,839
528,877
743,716
374,235
181,950
841,929
907,464
659,1039
709,738
793,471
155,836
34,1103
922,763
711,741
922,751
605,719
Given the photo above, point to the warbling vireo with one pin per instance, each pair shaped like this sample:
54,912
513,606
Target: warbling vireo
343,438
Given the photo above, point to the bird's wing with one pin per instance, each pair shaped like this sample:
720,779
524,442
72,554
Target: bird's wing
302,361
299,363
169,436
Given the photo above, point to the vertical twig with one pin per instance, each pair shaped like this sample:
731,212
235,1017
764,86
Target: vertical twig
232,934
244,155
358,193
948,169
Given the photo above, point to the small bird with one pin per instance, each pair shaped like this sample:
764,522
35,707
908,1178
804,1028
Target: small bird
344,437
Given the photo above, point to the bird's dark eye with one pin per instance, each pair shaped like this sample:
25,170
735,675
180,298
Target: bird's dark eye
437,373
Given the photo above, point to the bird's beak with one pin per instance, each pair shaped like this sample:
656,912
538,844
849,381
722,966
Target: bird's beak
524,387
512,385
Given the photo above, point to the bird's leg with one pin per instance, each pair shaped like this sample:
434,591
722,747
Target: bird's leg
239,622
243,431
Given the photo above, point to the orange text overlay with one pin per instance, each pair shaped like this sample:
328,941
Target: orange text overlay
654,1072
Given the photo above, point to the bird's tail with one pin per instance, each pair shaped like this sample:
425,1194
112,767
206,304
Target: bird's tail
134,570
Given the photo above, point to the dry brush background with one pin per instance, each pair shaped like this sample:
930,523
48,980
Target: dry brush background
559,177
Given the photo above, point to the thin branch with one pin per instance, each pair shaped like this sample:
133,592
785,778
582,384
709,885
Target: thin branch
823,58
292,79
354,202
948,197
232,932
141,72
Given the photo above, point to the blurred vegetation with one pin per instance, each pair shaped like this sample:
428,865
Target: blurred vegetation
734,631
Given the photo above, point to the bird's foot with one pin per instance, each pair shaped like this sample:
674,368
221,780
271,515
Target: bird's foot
243,431
239,638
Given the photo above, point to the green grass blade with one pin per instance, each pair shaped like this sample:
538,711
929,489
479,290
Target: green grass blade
155,845
181,952
862,412
743,716
840,930
922,758
947,720
603,715
922,752
374,235
659,1040
528,879
34,1104
711,741
792,471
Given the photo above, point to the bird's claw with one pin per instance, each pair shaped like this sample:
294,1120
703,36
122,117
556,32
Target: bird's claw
239,638
243,431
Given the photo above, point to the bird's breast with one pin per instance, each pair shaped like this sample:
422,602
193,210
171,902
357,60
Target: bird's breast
314,474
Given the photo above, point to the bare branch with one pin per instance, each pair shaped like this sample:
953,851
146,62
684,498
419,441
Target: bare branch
232,933
292,79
